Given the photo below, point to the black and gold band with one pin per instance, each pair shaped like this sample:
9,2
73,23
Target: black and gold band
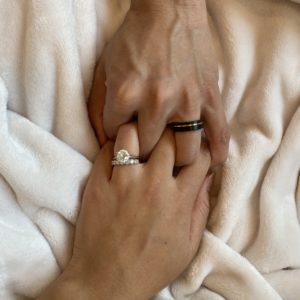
186,126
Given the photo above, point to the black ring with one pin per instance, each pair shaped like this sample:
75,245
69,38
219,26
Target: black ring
186,126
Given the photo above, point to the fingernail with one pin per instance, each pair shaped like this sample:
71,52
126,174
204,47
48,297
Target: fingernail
209,181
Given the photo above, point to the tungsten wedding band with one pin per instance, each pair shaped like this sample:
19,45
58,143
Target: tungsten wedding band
186,126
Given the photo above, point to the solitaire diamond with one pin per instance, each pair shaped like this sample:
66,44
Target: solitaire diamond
122,156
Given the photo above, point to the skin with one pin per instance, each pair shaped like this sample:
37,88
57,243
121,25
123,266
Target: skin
139,226
160,67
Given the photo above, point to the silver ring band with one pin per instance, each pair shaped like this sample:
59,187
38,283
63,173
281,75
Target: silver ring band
131,161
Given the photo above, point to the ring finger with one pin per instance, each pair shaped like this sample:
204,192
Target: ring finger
187,139
127,139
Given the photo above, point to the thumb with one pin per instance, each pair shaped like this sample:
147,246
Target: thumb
200,212
96,102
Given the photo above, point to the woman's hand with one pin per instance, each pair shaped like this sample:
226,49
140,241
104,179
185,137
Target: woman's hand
139,226
161,67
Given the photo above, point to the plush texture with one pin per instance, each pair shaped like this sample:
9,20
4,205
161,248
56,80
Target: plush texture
48,50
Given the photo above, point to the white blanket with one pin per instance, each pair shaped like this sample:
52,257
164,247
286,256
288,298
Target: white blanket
48,49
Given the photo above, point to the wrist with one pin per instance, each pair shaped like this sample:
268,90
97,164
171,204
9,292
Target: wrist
68,288
198,5
75,285
64,290
191,12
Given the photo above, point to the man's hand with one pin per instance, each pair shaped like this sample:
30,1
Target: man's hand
160,67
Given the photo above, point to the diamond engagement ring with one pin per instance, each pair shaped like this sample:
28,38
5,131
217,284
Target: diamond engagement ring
123,158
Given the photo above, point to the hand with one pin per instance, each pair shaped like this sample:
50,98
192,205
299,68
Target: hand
161,67
139,227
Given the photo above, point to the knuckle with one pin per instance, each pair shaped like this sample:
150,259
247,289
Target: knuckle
159,101
157,108
212,96
191,101
120,95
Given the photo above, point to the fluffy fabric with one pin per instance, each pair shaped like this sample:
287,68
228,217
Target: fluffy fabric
48,50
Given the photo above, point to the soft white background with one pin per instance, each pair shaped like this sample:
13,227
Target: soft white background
48,49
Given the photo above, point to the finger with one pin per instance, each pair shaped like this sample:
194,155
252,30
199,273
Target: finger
102,169
151,126
216,127
188,142
127,139
162,158
96,103
121,105
200,212
190,177
94,202
187,147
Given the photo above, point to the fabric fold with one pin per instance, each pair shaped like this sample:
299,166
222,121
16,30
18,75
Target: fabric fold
48,52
